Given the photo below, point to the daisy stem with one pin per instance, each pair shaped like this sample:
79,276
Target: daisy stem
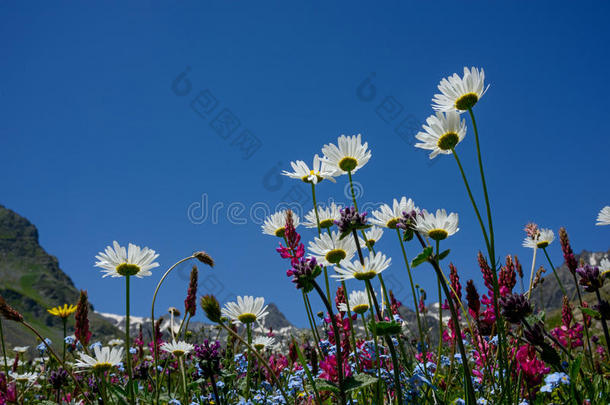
315,206
469,390
351,187
584,320
262,361
3,348
312,322
339,355
529,290
214,388
351,325
389,342
127,345
152,320
183,373
440,314
249,332
419,327
563,290
366,330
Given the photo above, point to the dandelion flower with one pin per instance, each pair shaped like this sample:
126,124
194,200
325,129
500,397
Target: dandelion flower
389,217
275,224
62,312
603,218
178,349
264,342
330,249
105,358
117,261
246,310
358,302
439,226
541,240
373,265
327,216
320,171
442,133
460,93
349,156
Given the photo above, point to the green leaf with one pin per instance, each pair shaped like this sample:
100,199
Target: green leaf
359,381
324,385
591,312
422,257
443,254
575,368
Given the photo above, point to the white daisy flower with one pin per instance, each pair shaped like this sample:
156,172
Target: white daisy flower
329,249
389,217
117,261
372,235
105,358
327,216
358,302
320,171
178,349
349,156
544,238
604,264
373,265
275,224
21,349
116,342
264,342
23,378
439,226
460,93
246,310
603,218
442,133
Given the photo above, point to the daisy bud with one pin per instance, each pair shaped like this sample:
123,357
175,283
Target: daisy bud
9,312
211,307
203,257
173,311
515,307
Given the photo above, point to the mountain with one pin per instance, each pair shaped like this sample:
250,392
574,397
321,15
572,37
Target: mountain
32,281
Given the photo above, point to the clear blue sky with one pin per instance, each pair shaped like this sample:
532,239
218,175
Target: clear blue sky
98,145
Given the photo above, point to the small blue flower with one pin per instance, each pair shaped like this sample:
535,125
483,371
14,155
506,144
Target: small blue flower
133,350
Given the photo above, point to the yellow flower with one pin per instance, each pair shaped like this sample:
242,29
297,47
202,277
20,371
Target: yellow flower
63,312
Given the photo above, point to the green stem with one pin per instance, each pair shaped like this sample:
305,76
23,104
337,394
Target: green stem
440,315
604,324
3,348
127,344
249,368
366,330
563,290
351,187
63,356
415,305
315,206
584,320
351,326
152,320
312,322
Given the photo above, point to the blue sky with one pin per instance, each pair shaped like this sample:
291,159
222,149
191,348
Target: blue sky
101,141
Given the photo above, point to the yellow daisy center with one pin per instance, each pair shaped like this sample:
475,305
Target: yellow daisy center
542,244
102,366
247,317
364,275
438,234
335,256
348,164
370,243
448,141
466,101
392,223
279,232
178,353
326,223
127,269
360,309
258,346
